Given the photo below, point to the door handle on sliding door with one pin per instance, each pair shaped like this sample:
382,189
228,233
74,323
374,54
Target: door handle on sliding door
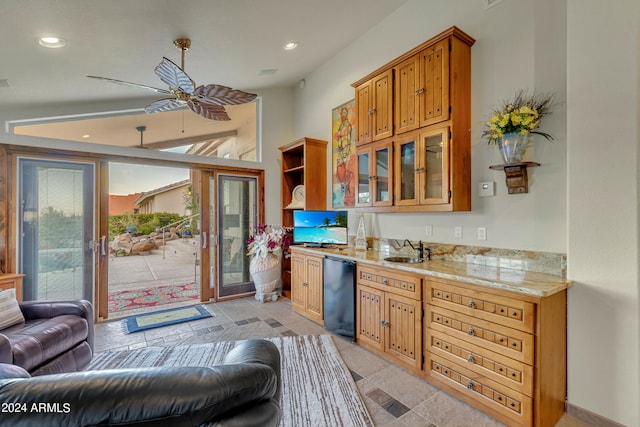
204,240
103,245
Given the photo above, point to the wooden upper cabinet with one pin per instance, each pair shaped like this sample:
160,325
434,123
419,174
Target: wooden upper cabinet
431,130
374,108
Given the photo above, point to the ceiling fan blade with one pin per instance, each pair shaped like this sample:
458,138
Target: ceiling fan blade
208,111
222,95
166,104
174,76
122,82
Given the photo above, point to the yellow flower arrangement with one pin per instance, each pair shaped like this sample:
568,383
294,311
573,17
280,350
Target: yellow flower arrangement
522,115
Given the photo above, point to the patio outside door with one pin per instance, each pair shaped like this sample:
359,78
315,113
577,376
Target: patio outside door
56,229
234,209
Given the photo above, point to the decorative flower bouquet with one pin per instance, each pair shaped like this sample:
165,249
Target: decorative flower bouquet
267,239
521,115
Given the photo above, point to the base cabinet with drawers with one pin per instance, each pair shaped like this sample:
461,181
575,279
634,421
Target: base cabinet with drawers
307,286
502,352
389,315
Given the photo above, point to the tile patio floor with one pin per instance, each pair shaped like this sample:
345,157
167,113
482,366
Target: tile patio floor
393,396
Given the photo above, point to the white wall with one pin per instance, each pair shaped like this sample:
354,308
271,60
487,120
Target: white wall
603,73
591,167
503,61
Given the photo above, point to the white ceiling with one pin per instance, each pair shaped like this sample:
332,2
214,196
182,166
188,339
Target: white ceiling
233,42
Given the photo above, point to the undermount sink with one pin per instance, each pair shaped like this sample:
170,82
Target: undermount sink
404,259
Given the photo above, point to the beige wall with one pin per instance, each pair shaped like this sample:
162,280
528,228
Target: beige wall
171,201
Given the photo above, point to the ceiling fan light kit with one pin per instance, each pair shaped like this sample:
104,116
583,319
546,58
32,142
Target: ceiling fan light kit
208,100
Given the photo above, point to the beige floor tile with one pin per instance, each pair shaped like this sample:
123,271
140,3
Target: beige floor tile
363,362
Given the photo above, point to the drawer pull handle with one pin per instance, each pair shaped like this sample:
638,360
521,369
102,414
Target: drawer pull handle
384,323
419,91
385,282
372,111
470,385
472,304
472,332
471,359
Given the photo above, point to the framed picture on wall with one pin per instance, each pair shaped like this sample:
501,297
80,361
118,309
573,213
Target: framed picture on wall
343,150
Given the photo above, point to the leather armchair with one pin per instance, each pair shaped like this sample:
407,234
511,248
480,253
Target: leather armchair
244,391
56,337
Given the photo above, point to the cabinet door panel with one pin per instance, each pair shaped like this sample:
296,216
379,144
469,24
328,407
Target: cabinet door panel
363,195
382,168
363,113
434,75
407,91
403,332
406,169
434,167
369,316
314,289
382,117
298,283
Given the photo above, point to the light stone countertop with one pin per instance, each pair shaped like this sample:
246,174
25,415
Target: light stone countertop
524,282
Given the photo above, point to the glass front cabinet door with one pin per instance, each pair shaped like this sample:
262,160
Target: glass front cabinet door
422,168
374,174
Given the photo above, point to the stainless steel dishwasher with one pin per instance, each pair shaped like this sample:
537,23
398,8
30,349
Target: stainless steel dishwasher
339,296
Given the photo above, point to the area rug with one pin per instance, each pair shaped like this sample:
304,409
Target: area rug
317,387
149,297
171,316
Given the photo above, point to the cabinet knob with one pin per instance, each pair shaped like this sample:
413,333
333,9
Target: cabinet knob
470,385
472,331
419,91
371,111
470,359
472,304
385,282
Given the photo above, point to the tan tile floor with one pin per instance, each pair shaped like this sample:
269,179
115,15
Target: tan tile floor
394,397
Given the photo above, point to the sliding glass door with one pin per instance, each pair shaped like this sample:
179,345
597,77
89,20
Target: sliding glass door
56,229
234,214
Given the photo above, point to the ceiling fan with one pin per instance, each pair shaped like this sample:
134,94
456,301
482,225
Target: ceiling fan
207,101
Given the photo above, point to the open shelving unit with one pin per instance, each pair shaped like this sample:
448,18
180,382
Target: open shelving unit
304,162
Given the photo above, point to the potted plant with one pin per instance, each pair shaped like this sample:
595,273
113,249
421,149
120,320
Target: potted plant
510,126
265,247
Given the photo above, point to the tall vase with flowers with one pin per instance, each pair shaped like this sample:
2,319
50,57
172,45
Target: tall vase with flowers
265,247
511,125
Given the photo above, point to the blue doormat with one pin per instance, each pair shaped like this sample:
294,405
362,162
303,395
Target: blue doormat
171,316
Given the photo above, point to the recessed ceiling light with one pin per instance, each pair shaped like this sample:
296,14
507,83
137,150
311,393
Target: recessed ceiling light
290,46
51,42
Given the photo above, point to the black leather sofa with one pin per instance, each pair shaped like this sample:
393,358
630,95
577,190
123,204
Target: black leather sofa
244,391
55,337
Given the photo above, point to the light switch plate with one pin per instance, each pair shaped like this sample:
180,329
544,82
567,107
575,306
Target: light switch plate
487,188
482,233
428,230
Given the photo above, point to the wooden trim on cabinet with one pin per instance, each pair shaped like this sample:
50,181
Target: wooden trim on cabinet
452,31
